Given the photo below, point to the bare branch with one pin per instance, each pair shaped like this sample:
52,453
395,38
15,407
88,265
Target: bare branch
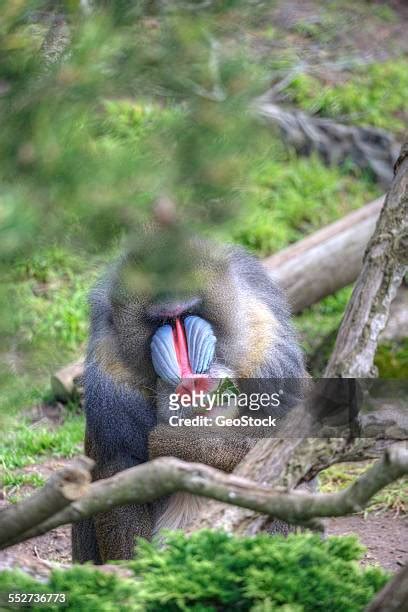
369,147
61,489
163,476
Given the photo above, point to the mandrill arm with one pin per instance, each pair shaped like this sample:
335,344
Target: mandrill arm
118,421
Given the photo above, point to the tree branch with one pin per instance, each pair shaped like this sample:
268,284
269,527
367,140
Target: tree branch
149,481
62,488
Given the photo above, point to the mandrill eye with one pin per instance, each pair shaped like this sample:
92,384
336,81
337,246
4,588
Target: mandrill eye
184,351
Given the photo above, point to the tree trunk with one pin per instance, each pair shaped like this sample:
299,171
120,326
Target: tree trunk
288,462
385,263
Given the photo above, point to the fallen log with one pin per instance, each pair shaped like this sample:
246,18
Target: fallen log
326,261
67,382
367,147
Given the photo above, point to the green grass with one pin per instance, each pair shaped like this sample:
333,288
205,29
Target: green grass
11,479
292,197
12,483
25,444
393,498
321,320
48,295
372,95
52,292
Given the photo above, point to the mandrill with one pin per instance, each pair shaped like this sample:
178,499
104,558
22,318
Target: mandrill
229,320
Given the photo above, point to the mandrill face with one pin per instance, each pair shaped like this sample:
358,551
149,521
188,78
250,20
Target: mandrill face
180,336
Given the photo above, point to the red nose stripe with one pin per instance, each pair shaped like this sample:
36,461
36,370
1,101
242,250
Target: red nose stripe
180,342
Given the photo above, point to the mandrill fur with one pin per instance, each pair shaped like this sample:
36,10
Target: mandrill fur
125,396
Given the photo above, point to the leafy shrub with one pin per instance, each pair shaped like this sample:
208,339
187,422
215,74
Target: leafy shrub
213,570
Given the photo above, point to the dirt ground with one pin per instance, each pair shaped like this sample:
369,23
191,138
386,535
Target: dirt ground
385,536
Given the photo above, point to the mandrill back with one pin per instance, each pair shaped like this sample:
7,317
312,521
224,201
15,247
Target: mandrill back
226,291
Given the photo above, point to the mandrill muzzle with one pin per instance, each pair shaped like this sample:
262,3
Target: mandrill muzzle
182,354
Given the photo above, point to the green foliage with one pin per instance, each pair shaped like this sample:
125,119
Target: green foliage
212,570
86,589
292,197
209,570
58,160
319,321
23,444
372,95
393,497
391,359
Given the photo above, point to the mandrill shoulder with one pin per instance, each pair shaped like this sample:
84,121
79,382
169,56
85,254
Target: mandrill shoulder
103,349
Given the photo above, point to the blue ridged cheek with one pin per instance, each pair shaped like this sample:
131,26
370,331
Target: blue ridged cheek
201,343
164,356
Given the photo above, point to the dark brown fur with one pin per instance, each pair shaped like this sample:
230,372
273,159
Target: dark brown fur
255,339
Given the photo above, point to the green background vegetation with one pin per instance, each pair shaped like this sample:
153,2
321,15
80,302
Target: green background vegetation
84,156
136,108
